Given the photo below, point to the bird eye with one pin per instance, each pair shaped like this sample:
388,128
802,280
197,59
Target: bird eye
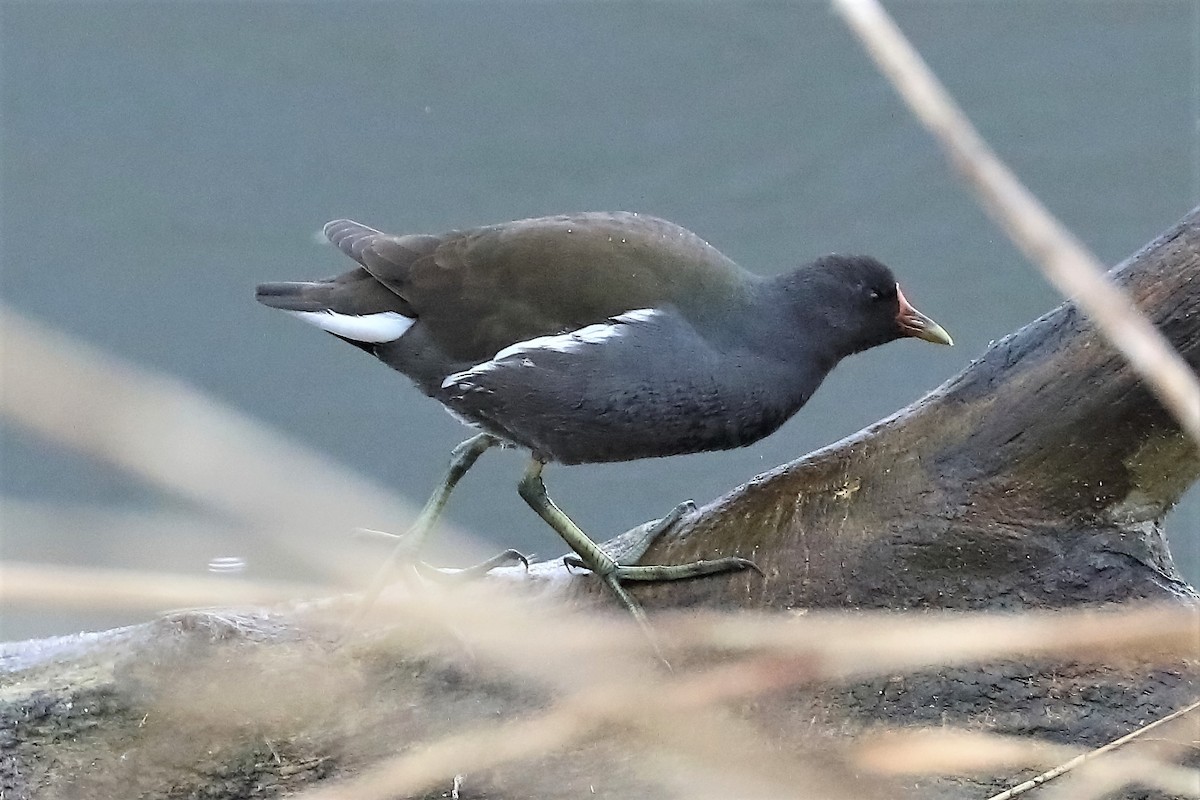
876,295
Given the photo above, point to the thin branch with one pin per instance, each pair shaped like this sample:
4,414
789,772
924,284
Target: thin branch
1067,264
949,751
1063,768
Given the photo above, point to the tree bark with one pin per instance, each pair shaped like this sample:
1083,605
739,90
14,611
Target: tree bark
1039,477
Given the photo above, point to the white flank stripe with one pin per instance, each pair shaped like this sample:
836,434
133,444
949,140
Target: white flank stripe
386,326
638,315
568,342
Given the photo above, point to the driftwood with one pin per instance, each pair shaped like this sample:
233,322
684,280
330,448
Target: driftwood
1038,478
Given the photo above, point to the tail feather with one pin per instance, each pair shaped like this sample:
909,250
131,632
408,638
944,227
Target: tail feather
356,306
295,296
352,307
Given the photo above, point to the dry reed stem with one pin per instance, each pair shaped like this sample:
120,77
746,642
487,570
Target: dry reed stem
1074,271
462,753
661,710
950,751
853,644
712,753
51,585
1064,260
172,437
631,696
945,751
493,620
603,668
1102,778
825,646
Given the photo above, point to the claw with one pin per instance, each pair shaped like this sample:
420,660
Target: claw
506,559
746,563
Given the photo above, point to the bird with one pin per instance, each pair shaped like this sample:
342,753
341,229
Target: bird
598,337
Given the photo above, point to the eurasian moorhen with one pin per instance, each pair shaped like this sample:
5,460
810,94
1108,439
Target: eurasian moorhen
599,337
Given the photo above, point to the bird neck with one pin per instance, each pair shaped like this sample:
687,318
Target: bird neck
791,323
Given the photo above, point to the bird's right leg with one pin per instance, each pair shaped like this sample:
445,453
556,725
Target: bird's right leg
412,542
462,458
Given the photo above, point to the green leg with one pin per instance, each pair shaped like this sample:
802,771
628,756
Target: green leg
462,458
592,556
410,544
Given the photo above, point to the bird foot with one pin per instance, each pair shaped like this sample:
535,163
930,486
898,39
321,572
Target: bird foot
509,558
680,572
605,561
632,545
406,554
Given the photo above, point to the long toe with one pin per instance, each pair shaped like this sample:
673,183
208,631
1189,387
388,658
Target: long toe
680,572
630,546
509,558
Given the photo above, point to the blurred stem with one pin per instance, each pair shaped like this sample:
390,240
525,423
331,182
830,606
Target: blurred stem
1063,259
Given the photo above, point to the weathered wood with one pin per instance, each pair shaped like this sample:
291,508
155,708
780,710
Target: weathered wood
1038,477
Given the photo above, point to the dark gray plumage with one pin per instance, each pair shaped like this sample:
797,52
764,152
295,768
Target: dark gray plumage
603,336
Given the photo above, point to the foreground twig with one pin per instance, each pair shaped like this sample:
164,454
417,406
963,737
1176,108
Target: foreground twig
1062,258
1066,767
949,751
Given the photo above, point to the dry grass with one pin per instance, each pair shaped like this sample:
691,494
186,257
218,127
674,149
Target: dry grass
596,679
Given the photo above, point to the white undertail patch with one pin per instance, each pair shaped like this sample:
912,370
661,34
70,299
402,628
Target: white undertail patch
568,342
386,326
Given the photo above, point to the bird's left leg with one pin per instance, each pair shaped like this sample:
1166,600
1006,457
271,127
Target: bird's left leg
409,544
593,557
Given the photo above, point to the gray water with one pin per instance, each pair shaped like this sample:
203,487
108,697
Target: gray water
161,158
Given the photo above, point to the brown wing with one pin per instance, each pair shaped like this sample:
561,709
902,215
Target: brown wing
478,291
